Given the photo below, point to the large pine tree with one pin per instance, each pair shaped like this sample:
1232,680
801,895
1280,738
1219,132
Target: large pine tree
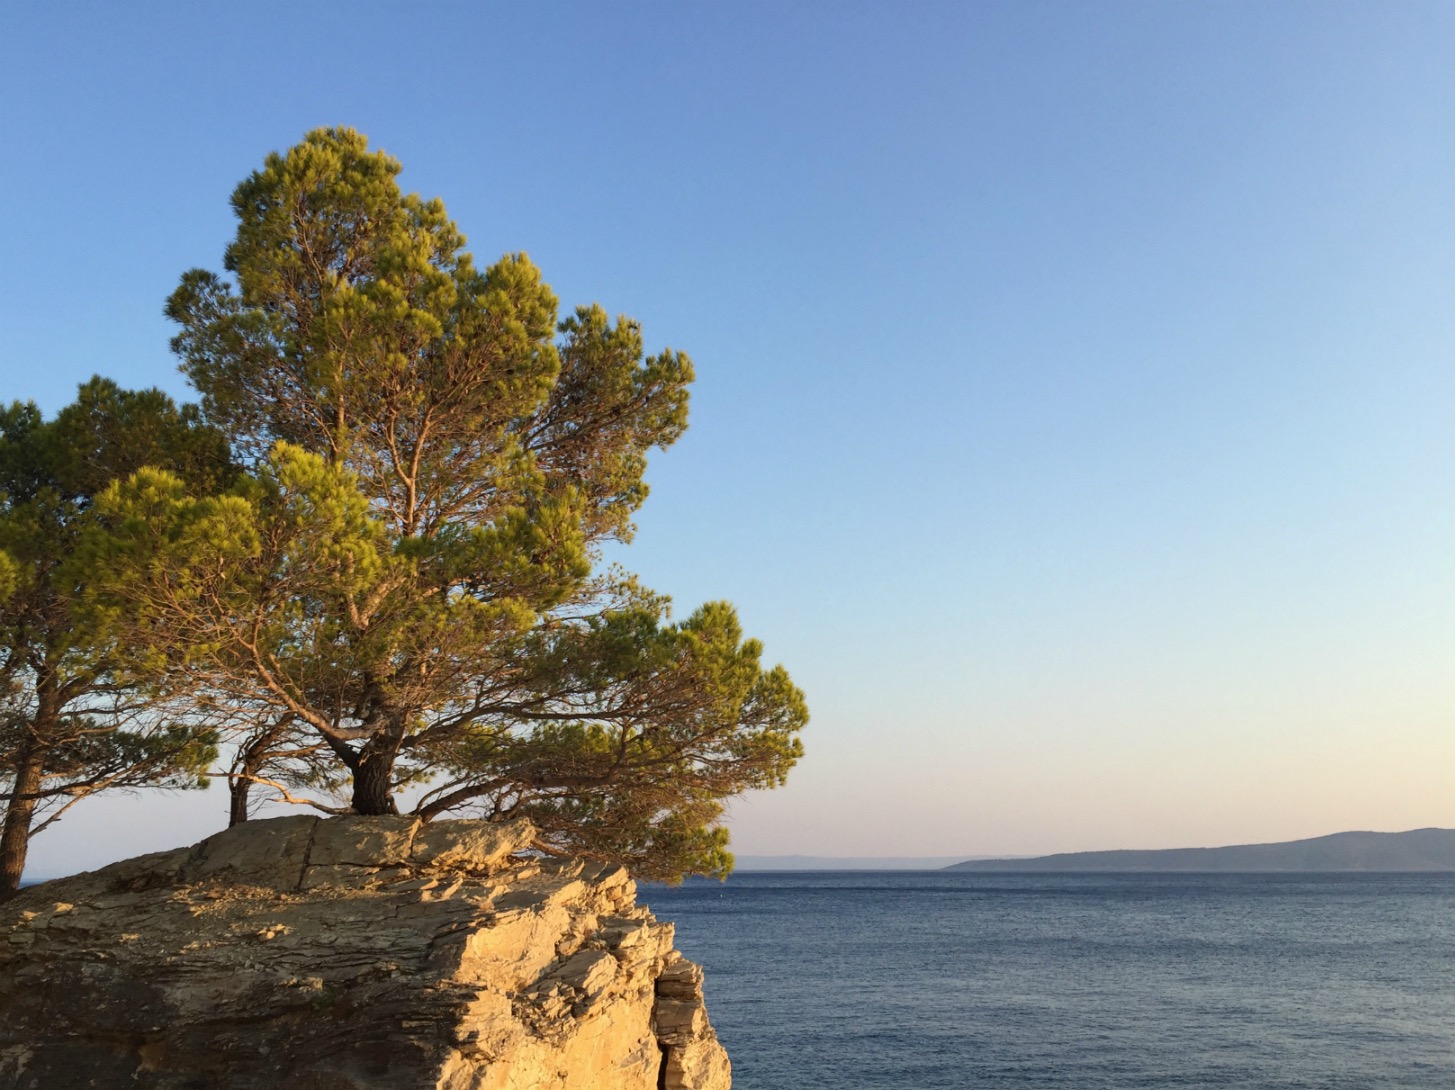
407,586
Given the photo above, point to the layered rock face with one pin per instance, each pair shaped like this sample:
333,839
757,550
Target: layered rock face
349,954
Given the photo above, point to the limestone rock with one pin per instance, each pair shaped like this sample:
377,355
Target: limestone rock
691,1054
349,954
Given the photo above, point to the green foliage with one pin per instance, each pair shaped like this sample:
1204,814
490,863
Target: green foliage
632,731
9,576
69,724
405,578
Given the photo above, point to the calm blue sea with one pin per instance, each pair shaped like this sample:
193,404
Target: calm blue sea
923,980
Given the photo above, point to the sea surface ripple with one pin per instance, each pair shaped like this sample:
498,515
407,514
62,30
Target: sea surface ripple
928,980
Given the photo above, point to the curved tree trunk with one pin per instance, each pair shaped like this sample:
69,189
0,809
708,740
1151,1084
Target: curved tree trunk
249,761
29,777
19,810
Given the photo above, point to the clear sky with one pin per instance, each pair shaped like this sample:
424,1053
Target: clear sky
1075,400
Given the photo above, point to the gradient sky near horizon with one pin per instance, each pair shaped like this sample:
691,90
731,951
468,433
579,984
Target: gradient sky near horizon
1075,399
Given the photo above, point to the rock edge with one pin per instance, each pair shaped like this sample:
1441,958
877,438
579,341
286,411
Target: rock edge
355,953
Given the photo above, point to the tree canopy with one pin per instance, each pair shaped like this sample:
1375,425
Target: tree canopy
406,588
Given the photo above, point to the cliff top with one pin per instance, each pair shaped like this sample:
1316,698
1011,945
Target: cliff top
349,954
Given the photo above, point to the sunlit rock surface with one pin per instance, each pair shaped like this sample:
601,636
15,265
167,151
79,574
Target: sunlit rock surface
349,954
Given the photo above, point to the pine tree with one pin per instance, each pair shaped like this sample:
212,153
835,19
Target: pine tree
70,726
410,576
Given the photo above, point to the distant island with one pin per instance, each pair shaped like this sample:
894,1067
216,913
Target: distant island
746,863
1416,850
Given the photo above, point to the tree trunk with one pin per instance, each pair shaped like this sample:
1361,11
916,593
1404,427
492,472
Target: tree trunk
238,789
29,777
372,782
249,761
19,810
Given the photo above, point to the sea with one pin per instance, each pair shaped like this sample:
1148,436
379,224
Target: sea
923,980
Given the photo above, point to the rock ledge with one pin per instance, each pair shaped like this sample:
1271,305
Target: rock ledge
349,954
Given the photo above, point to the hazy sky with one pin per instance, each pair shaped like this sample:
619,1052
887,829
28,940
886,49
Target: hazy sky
1075,405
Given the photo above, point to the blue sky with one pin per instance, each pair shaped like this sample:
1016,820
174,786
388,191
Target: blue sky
1075,389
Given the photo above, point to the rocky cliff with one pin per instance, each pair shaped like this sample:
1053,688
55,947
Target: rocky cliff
349,954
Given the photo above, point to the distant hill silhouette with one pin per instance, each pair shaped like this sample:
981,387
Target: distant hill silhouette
1416,850
745,863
